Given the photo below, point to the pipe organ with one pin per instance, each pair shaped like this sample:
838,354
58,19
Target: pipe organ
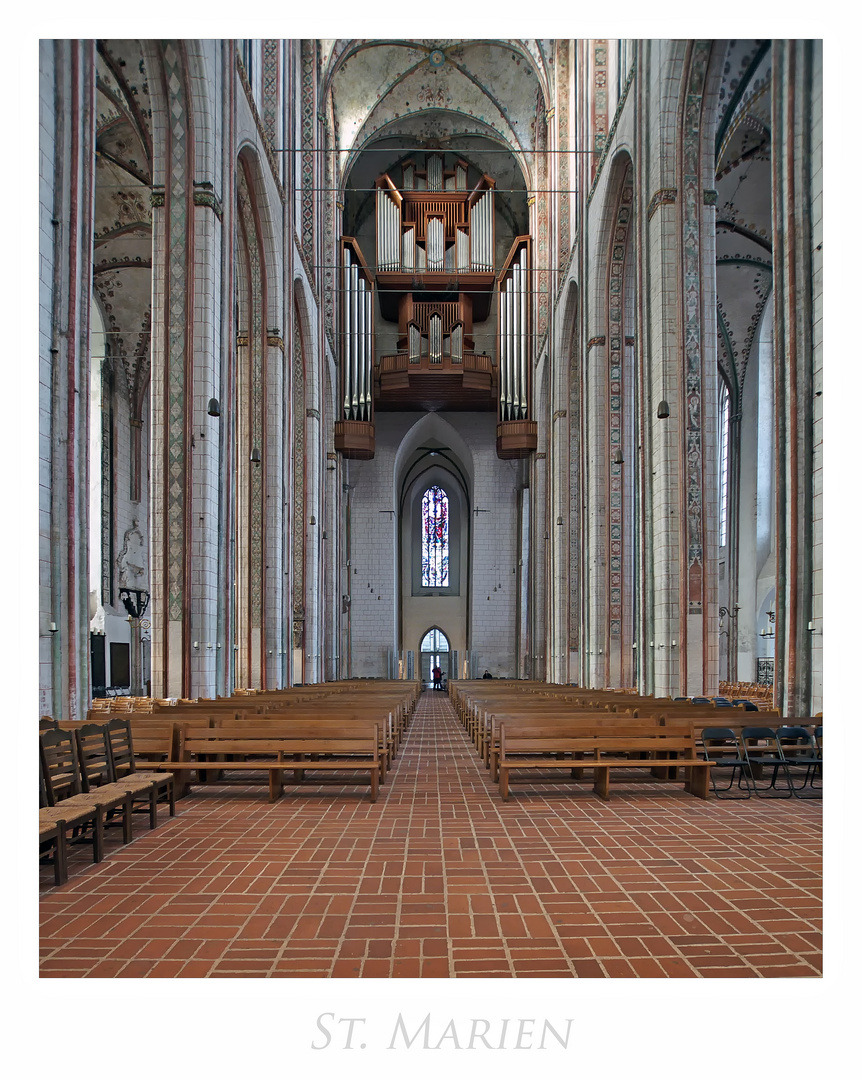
433,224
516,433
434,245
354,432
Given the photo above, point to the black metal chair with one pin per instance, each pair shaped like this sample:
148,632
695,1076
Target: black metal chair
720,746
763,754
800,751
747,706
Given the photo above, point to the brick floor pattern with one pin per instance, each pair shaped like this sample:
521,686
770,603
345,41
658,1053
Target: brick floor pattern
441,879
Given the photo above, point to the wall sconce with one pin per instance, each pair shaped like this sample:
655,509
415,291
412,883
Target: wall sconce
323,535
52,627
663,410
771,632
722,611
195,644
673,644
651,645
560,520
218,644
255,456
312,520
213,408
209,644
618,457
634,644
236,648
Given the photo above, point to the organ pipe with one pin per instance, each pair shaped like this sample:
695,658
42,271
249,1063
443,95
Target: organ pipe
435,339
408,247
345,348
523,302
456,345
360,344
354,326
369,348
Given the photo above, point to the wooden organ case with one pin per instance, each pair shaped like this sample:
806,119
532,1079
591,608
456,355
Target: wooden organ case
435,276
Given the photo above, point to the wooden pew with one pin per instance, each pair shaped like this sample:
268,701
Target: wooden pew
317,747
557,723
527,752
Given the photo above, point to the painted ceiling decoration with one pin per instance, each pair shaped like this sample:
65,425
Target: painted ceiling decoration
489,88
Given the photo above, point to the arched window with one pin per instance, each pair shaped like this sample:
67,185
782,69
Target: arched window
435,538
723,473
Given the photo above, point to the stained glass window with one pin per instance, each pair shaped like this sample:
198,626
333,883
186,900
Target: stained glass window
435,538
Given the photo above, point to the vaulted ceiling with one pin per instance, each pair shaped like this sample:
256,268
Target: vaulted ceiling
479,99
744,207
122,266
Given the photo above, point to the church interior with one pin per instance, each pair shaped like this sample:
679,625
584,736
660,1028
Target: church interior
448,390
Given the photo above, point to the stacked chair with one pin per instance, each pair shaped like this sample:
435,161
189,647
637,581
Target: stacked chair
82,789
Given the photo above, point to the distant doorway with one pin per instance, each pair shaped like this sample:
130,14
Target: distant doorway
434,650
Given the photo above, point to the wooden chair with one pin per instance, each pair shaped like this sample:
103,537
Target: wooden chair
97,772
64,794
118,737
52,834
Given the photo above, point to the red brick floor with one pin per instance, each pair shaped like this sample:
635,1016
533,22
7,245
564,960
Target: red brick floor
440,879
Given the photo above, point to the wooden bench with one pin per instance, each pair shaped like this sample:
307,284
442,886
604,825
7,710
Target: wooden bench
555,723
672,745
272,749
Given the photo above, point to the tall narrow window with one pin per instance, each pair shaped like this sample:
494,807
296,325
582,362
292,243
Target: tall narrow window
435,538
724,437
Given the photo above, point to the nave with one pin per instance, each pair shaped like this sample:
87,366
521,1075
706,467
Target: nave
440,878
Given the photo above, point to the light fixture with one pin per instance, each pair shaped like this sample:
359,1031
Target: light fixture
214,409
195,644
52,627
618,457
811,625
560,520
312,520
255,456
663,410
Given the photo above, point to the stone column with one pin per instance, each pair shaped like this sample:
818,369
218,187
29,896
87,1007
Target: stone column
67,146
796,120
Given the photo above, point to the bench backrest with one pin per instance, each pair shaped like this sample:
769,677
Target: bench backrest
59,762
